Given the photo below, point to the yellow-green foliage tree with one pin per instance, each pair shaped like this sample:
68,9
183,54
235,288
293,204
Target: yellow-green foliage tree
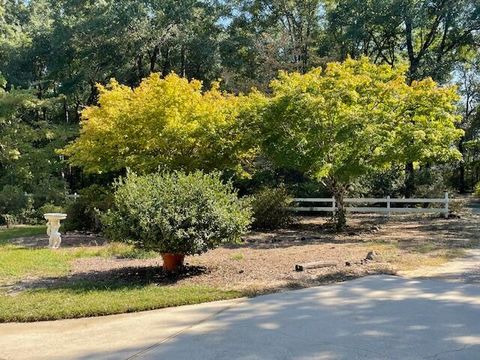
165,123
351,118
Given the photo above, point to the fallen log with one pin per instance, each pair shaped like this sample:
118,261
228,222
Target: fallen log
315,265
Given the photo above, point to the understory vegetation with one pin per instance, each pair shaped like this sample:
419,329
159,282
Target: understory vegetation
176,127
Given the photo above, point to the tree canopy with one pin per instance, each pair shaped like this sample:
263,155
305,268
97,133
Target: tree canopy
166,123
356,117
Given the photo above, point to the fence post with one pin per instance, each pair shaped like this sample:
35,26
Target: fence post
388,206
334,206
445,213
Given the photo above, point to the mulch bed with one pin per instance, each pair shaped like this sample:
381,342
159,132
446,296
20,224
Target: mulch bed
265,261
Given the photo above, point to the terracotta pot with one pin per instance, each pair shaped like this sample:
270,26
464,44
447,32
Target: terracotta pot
172,261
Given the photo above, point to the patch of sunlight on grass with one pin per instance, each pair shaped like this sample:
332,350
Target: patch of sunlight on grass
413,258
412,263
17,262
424,248
237,257
454,253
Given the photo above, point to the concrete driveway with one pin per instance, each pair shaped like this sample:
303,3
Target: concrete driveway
377,317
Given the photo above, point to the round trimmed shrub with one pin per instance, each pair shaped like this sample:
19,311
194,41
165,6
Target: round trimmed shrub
176,212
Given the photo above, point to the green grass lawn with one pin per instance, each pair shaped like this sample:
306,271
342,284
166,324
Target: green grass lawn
80,301
81,298
21,231
17,262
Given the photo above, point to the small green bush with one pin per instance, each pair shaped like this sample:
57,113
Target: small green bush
15,206
477,190
176,213
270,208
84,213
49,208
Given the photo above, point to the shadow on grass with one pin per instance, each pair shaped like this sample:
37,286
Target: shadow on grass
115,279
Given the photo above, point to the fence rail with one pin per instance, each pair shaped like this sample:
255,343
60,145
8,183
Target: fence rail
388,209
73,196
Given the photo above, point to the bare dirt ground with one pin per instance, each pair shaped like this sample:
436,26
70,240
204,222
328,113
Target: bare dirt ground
265,261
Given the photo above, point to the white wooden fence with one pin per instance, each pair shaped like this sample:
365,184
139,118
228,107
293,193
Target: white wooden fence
388,209
73,196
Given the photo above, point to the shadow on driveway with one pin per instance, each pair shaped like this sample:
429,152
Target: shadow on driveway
377,317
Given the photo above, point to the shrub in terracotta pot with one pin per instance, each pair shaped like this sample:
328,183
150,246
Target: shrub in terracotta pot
176,214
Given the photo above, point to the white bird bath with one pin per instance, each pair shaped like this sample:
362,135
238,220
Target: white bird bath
53,224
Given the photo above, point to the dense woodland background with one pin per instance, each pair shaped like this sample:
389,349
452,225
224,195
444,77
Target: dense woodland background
54,52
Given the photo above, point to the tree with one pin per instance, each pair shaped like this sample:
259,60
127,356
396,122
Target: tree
58,50
165,122
355,117
67,46
368,28
27,146
12,35
432,36
468,78
265,36
436,34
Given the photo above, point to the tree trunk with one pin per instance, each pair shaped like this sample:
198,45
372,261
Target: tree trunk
166,62
153,58
340,216
409,180
183,58
462,187
77,111
140,68
412,70
340,213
